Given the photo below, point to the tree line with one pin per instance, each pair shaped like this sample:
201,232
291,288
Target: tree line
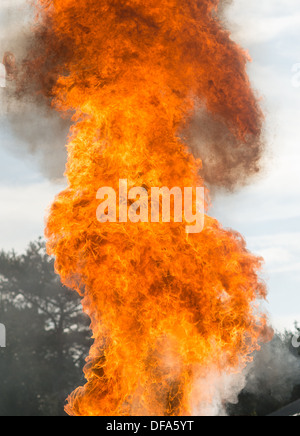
48,338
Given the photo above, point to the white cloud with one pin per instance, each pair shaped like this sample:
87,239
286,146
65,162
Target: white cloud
22,211
282,323
281,251
260,21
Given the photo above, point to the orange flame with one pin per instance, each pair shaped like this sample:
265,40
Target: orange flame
165,306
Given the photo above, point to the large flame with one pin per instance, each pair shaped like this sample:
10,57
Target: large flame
166,307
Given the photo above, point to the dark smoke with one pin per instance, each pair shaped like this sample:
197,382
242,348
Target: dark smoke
275,371
271,380
228,163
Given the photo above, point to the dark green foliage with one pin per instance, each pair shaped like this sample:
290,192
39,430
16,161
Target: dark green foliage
47,336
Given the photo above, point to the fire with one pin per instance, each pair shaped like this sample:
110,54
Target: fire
165,306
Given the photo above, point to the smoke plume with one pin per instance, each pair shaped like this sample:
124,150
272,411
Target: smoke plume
229,161
27,109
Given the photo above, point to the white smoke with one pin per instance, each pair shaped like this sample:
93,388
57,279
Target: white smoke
213,391
39,130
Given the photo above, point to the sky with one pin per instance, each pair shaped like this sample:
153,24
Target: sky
267,212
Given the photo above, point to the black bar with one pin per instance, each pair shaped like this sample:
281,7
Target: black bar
146,425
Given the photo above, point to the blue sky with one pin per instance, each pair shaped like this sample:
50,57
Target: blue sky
267,212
